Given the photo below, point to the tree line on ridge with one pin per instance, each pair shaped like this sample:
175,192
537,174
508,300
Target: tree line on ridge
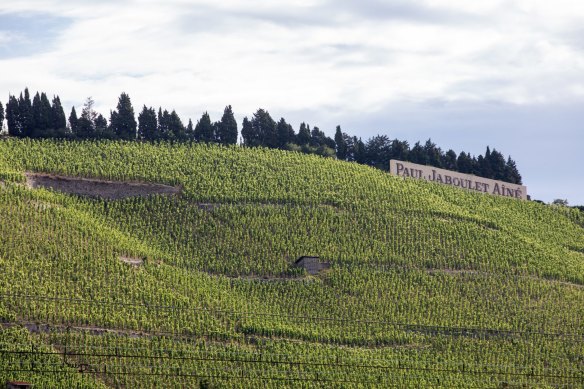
40,117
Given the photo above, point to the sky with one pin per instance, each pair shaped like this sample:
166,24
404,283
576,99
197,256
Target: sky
508,74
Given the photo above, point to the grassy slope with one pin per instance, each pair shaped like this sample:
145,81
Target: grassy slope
438,286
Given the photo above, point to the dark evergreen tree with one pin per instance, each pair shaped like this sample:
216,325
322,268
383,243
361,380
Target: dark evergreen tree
250,138
85,128
449,160
25,113
359,150
304,136
378,152
164,125
319,139
433,154
13,119
58,118
286,134
190,131
418,154
73,121
497,163
204,131
511,172
122,121
147,124
1,117
226,132
316,137
399,150
475,165
35,123
102,130
341,144
464,163
265,128
176,127
41,123
330,143
349,141
484,165
45,121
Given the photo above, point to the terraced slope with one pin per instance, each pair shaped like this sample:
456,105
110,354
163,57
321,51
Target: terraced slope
429,286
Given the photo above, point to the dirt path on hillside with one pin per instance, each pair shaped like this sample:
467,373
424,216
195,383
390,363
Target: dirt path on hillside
96,187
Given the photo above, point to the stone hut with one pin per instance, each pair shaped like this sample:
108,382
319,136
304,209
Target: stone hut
313,265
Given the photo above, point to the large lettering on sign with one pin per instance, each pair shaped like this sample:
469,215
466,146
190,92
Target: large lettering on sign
459,180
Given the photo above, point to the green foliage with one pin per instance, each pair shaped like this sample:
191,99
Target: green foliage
38,119
429,286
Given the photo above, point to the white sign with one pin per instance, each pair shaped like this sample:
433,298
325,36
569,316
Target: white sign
459,180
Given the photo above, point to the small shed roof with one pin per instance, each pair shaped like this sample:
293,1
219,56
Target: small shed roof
305,257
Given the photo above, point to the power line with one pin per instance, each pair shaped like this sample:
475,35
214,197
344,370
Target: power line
406,326
466,369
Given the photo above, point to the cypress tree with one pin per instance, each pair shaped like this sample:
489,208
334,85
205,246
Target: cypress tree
73,121
41,123
163,125
341,144
303,134
463,163
204,129
449,160
35,122
147,124
58,118
226,132
176,127
484,165
359,151
13,117
101,128
511,172
265,129
122,120
497,163
248,134
318,138
190,131
285,133
1,117
25,113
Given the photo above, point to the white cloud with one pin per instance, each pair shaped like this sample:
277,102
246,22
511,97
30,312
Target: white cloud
329,60
261,53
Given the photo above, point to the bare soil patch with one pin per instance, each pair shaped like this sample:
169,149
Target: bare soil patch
132,261
91,187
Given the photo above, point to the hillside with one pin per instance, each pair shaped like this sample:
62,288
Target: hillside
428,285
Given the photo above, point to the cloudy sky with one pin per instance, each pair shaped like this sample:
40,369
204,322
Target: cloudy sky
504,73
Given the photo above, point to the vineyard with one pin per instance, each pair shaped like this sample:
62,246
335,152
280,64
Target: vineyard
428,285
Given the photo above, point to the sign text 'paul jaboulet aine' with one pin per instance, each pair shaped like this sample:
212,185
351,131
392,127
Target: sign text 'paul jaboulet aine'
459,180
